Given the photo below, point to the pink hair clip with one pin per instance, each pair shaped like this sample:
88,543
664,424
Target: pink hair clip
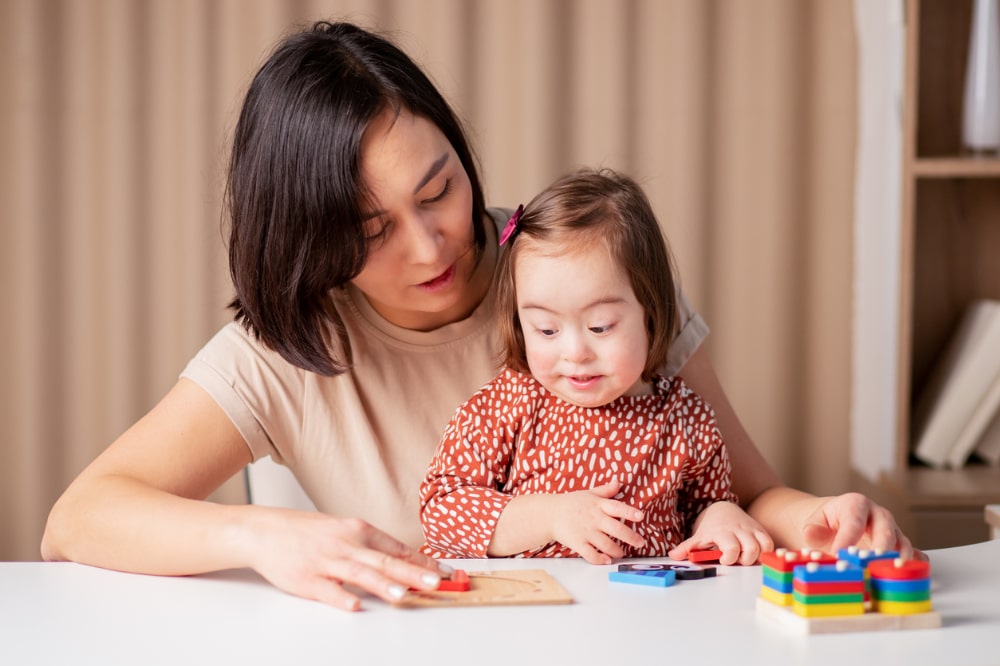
511,228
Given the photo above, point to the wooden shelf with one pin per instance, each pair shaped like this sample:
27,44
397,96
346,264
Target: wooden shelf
949,235
971,487
957,167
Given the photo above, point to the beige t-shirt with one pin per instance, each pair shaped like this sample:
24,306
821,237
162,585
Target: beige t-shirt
359,443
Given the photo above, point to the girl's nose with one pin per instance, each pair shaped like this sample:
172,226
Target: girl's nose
576,348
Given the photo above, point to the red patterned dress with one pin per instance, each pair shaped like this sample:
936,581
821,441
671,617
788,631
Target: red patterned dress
514,437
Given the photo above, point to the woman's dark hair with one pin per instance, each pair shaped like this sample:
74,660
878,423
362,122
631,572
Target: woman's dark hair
295,192
575,212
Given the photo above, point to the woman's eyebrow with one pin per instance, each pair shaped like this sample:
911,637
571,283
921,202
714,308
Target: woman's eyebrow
433,171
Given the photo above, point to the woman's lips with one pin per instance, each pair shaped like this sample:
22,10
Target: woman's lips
439,282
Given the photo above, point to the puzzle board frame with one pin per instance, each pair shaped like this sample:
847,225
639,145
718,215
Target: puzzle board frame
494,588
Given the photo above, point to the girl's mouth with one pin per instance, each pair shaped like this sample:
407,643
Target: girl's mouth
582,381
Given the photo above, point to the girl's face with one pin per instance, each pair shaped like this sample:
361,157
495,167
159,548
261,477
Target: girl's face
584,331
420,271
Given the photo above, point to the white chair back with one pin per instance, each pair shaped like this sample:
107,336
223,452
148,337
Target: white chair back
271,484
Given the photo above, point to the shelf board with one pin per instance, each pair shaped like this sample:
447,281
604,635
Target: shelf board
956,167
925,488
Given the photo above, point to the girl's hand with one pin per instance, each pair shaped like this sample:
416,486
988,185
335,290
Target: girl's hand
724,524
589,521
313,555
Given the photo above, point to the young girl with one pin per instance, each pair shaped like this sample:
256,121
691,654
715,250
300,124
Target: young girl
577,446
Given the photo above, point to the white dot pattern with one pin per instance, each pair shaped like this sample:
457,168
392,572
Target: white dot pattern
514,437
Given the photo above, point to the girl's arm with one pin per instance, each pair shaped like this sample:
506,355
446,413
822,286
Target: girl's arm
793,518
140,507
586,521
463,511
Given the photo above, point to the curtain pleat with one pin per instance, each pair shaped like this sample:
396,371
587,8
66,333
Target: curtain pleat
737,116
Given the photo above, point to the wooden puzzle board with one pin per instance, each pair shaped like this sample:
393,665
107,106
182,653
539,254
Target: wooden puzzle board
495,588
835,625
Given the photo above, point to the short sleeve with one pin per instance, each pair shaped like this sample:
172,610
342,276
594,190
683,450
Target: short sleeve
693,331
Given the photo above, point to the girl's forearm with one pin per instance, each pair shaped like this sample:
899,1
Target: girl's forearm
524,524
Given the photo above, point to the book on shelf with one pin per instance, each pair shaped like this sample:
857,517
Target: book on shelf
988,447
962,394
972,432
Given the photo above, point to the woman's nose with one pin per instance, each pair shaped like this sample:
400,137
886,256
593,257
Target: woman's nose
423,239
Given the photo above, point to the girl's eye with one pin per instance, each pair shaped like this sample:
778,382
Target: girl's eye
547,332
442,194
600,329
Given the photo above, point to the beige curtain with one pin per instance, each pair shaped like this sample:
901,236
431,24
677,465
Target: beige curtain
737,116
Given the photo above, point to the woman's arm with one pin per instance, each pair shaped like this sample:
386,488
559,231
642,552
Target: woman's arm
793,518
140,507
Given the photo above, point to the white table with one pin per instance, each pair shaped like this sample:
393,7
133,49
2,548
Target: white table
72,614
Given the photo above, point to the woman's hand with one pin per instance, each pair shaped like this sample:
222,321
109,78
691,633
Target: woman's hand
853,519
313,555
797,520
726,526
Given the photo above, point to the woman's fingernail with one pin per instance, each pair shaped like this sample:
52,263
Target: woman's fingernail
430,579
397,591
445,569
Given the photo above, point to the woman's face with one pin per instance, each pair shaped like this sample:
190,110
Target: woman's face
420,272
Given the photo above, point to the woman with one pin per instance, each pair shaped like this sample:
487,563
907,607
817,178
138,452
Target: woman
362,254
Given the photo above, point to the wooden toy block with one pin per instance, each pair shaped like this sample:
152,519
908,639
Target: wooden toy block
775,597
494,588
786,560
849,587
828,610
863,557
650,577
840,572
681,571
710,555
815,599
458,582
902,586
691,572
902,607
899,569
778,579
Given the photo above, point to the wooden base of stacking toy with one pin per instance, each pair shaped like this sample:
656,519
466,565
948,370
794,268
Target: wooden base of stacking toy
870,621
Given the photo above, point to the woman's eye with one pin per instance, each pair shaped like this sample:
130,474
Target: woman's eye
376,232
442,194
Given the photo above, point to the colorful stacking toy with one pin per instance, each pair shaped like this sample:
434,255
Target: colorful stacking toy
860,590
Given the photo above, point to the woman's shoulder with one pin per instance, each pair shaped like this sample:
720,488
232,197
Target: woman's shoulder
237,357
675,392
499,215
